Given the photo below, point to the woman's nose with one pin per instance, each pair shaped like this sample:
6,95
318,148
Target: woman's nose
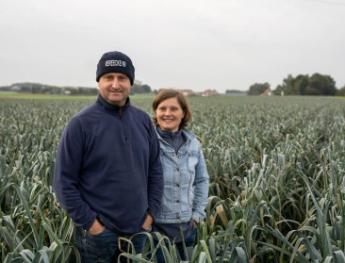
167,111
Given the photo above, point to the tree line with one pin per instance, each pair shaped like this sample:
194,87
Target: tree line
316,84
38,88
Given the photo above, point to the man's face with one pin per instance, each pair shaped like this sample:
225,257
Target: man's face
114,88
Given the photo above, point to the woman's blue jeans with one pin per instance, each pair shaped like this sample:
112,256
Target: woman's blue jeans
103,248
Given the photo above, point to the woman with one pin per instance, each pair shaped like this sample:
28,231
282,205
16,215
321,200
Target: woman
185,175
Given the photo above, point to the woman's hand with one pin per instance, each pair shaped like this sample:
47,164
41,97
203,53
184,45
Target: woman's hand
193,223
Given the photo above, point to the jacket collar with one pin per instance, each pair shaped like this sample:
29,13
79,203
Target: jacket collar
186,133
168,134
110,107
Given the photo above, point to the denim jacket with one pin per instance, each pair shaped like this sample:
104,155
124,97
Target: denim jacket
185,181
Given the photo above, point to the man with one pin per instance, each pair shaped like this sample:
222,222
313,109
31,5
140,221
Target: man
108,175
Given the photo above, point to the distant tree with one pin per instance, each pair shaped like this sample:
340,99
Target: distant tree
341,92
135,88
293,85
5,88
258,88
289,87
141,88
234,91
301,83
321,85
317,84
146,88
279,90
38,88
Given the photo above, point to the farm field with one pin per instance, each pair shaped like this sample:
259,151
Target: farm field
276,165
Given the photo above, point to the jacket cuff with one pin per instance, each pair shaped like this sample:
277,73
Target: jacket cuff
151,213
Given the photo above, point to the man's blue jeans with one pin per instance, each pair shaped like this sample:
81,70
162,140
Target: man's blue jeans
103,248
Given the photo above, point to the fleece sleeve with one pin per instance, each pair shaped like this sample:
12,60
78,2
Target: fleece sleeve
67,173
155,176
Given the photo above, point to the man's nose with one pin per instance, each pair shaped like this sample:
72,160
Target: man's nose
115,83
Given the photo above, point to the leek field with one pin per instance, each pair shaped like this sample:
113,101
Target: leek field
277,187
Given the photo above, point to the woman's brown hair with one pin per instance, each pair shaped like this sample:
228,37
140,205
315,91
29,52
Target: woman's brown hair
165,94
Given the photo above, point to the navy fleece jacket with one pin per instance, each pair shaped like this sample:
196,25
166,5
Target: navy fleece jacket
108,167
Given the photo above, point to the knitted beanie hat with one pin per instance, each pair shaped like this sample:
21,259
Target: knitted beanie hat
115,61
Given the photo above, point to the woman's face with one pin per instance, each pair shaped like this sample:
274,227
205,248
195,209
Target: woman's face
169,115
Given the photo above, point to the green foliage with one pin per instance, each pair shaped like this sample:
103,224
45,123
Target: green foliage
38,88
341,92
317,84
140,89
276,192
258,88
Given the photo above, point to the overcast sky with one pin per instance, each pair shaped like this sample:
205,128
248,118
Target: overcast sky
191,44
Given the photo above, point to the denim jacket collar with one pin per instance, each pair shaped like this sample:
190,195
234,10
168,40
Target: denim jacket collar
168,147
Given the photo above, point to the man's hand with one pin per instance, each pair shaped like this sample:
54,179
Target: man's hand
147,226
96,228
